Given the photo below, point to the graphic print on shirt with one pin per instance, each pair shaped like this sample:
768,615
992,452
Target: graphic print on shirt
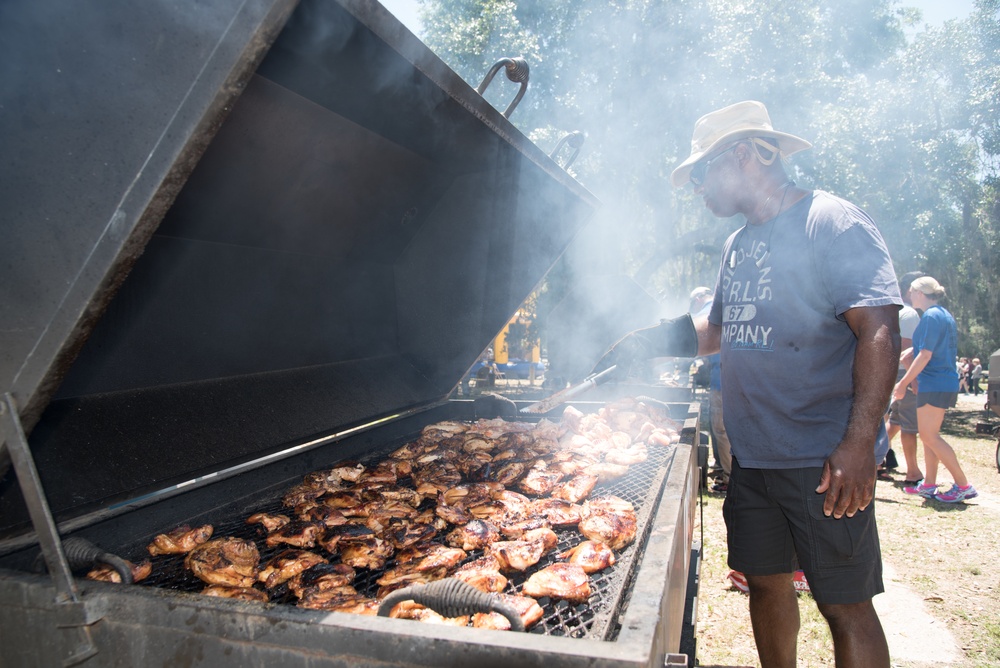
746,282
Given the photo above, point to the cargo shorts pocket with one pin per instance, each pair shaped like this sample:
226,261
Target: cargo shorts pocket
837,541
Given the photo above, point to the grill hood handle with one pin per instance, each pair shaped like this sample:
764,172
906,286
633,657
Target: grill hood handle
452,598
517,71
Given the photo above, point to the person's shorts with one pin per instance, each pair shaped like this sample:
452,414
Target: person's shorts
904,413
775,524
937,399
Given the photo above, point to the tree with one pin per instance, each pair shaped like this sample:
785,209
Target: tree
908,128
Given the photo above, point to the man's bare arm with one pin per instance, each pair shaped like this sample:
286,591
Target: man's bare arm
849,473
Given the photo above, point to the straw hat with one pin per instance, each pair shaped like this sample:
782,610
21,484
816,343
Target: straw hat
738,121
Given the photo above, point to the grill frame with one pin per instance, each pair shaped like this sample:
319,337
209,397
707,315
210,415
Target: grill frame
179,626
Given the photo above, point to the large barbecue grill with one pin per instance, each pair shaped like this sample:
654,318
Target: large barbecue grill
247,241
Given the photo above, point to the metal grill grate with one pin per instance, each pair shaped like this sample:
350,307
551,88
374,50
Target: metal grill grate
595,619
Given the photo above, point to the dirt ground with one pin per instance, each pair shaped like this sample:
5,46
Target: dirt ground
942,600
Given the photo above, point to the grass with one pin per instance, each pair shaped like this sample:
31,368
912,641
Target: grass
946,554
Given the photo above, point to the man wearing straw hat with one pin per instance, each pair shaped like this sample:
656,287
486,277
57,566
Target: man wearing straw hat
805,315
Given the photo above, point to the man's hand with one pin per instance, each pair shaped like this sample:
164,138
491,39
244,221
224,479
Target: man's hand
848,479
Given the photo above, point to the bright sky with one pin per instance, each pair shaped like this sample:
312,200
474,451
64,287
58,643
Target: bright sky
935,11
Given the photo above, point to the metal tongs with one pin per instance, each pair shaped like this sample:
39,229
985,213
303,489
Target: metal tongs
562,396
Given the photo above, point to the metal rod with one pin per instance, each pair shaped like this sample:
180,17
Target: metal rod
34,497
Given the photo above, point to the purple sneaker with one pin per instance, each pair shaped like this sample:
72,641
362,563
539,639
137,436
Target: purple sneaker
920,489
956,494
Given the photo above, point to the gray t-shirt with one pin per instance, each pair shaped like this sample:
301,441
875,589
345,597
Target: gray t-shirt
787,351
908,321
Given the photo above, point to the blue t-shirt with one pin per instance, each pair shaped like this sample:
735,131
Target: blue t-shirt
787,351
937,333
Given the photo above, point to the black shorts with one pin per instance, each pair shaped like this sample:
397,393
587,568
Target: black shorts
776,524
944,400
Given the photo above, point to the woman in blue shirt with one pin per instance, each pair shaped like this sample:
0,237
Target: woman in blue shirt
931,364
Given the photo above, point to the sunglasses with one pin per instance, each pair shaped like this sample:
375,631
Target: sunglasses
700,169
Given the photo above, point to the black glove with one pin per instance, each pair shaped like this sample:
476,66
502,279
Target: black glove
494,406
671,338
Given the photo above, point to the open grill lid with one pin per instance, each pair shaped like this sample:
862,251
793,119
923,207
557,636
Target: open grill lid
299,236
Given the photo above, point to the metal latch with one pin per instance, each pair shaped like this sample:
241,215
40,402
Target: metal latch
675,661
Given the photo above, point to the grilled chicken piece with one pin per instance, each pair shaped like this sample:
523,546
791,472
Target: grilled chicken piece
417,612
516,505
105,573
494,511
370,553
516,528
225,561
475,443
613,529
576,488
516,555
469,462
506,472
405,535
268,521
296,533
240,593
570,462
345,498
392,493
322,514
663,437
474,535
321,577
452,514
539,480
383,514
545,535
470,494
527,608
608,504
181,540
301,494
286,565
393,580
606,471
444,429
559,513
591,555
435,478
633,454
354,604
483,574
561,581
572,418
430,555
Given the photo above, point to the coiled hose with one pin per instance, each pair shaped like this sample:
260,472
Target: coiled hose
81,554
452,598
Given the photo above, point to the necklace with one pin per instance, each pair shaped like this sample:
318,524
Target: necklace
767,249
774,192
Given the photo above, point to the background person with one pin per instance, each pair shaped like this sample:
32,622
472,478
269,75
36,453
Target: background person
934,343
903,413
977,375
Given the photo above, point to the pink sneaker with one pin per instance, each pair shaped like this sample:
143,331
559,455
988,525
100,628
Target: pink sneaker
956,494
926,491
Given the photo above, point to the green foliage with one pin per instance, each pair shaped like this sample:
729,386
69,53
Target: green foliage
905,122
